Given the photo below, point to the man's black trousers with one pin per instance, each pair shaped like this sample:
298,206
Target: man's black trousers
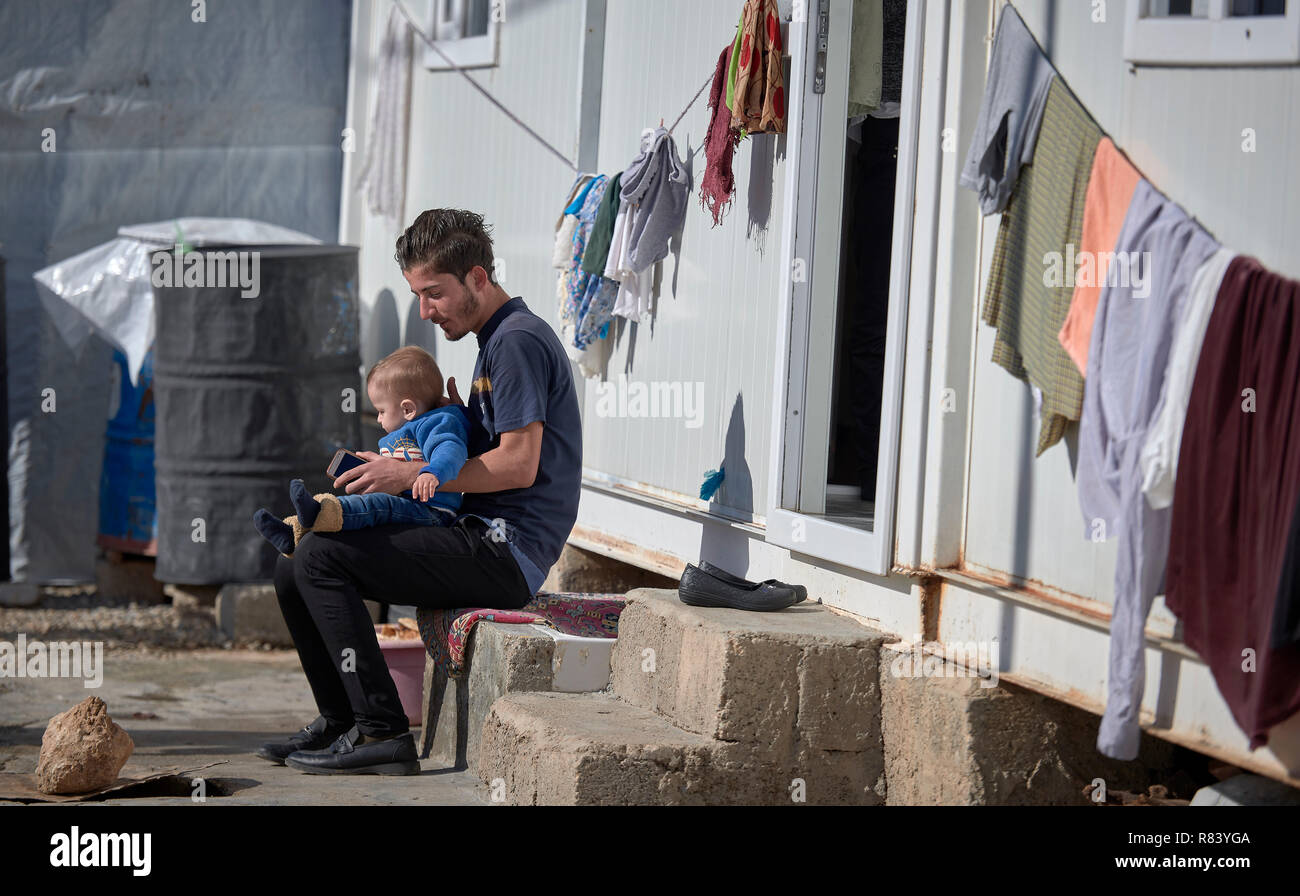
321,588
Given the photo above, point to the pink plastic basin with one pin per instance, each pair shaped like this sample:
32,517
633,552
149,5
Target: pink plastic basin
405,658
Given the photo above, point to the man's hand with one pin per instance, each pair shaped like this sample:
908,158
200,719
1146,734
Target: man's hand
452,393
426,486
382,474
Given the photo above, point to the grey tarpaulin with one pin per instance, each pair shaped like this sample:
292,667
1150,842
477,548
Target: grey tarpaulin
150,116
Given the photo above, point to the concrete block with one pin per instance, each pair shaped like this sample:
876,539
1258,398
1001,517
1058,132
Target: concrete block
19,594
251,612
579,665
193,596
835,778
951,740
839,697
750,677
580,571
595,749
121,578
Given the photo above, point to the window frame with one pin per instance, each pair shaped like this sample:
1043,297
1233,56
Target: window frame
1217,39
475,51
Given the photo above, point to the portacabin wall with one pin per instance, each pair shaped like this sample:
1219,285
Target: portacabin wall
1182,127
1021,525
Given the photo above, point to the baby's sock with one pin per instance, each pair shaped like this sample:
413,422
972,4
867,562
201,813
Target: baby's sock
307,506
274,530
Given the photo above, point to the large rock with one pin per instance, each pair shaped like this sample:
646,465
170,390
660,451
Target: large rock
82,750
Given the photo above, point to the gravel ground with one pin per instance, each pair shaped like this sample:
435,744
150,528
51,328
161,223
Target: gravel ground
79,613
122,626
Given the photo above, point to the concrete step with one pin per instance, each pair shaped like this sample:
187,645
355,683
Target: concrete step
800,678
506,659
596,749
711,706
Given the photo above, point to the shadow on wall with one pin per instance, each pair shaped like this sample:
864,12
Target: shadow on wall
765,149
722,545
381,334
419,331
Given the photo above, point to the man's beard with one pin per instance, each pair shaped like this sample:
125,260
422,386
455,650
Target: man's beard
469,312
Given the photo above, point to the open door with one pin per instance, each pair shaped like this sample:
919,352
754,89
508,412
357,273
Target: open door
848,243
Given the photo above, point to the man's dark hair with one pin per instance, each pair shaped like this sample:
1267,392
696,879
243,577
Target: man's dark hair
453,240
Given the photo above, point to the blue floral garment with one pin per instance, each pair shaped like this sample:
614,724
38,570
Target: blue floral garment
574,280
595,311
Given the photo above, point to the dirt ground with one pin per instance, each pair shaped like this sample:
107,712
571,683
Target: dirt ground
187,708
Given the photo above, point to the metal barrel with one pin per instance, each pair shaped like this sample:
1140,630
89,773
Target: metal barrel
256,382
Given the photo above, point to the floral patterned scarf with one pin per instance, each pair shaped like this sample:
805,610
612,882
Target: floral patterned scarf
758,100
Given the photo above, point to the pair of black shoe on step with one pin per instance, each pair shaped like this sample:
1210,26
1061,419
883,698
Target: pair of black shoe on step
320,750
707,585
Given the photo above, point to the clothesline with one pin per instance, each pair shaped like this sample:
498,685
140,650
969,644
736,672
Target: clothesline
433,45
694,100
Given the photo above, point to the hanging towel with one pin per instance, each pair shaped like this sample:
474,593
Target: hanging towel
563,241
659,185
597,251
618,242
634,300
1010,113
1043,218
1160,452
1236,492
866,44
383,178
1110,189
1137,322
718,185
758,99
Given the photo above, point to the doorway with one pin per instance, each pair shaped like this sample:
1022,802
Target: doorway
852,232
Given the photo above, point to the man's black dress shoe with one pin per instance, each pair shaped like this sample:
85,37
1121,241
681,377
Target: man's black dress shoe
313,737
356,754
700,589
800,592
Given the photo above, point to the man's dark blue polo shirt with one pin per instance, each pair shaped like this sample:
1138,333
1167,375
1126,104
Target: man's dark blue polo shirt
522,375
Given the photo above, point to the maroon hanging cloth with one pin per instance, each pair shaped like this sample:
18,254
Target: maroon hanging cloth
719,182
1236,492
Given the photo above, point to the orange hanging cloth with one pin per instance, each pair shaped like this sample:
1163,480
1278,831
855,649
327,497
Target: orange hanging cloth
760,80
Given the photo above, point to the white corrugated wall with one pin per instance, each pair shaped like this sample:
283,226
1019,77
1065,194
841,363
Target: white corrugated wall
716,319
464,153
715,324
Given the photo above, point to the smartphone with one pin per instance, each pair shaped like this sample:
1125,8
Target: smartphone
343,461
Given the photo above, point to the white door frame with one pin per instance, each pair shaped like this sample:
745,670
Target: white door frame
812,225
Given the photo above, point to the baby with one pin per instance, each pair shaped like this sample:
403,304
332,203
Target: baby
421,423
